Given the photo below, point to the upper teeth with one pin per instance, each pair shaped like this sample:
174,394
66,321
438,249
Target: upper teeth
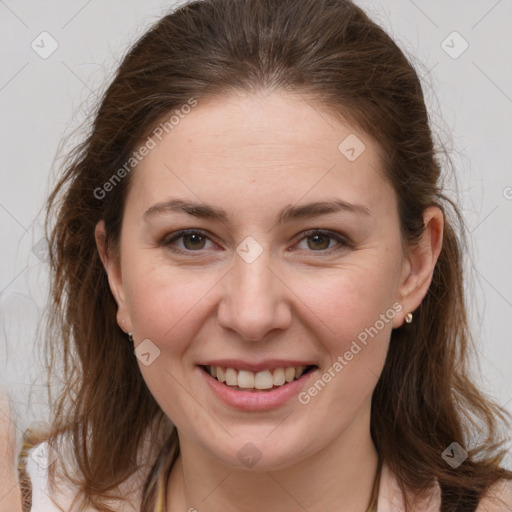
265,379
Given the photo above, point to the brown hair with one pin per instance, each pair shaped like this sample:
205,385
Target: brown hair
328,50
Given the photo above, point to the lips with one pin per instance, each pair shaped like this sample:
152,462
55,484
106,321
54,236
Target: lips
256,399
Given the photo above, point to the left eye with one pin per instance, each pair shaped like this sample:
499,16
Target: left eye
321,241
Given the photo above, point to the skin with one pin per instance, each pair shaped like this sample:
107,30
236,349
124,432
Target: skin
10,493
253,155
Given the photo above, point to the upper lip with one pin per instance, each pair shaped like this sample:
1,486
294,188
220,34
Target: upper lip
256,366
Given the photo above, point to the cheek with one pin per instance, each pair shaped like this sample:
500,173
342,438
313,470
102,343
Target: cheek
347,301
165,300
169,306
351,316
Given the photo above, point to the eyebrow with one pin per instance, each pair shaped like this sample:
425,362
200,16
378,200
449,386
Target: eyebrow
287,214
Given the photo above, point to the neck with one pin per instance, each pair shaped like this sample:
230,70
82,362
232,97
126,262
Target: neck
342,472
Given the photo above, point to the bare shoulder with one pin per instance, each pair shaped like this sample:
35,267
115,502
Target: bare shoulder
498,498
64,495
10,494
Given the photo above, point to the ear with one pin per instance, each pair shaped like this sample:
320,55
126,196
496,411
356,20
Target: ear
420,262
112,266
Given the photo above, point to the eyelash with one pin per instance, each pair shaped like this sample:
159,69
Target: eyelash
173,237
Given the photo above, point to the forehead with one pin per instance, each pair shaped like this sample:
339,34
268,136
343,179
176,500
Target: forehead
241,148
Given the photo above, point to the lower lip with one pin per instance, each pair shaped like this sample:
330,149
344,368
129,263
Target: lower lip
256,400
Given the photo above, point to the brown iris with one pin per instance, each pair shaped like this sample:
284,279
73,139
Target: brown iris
320,241
196,241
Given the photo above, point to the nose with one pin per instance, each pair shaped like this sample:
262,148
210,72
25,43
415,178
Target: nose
255,300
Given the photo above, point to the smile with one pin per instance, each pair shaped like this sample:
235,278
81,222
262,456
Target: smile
265,380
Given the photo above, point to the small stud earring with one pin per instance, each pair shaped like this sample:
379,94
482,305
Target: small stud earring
130,336
408,318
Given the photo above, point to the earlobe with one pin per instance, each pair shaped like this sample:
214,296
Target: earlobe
421,262
113,270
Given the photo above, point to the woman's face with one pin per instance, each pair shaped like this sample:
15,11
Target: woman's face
293,258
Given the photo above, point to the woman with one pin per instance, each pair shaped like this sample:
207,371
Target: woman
258,286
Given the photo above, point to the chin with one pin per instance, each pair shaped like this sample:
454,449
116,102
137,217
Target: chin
262,454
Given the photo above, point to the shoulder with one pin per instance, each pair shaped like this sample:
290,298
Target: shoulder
498,498
37,462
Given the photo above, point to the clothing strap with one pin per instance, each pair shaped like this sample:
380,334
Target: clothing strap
24,479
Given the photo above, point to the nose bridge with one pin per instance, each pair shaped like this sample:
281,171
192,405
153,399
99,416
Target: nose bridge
253,301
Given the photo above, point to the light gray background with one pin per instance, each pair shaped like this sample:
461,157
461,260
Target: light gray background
42,100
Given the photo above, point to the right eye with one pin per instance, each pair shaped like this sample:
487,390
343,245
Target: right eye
187,240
